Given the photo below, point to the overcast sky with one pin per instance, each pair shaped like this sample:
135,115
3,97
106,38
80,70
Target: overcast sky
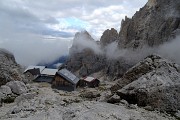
42,30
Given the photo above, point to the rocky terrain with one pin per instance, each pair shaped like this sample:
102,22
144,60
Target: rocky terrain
11,78
154,82
39,101
129,90
58,105
10,70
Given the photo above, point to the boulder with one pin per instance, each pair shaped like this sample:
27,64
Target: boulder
153,82
90,94
17,87
5,90
25,96
114,99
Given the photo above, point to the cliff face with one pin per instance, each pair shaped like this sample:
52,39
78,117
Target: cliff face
9,69
85,55
88,56
155,23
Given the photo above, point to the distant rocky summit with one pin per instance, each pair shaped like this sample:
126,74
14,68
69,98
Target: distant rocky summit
88,56
109,36
9,69
85,55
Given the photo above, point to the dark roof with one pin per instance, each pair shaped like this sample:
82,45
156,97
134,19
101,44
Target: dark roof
41,68
66,74
35,71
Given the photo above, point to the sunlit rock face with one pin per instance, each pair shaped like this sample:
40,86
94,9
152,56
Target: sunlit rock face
151,3
154,24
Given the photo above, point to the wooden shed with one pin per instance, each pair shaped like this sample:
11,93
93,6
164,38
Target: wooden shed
65,80
90,82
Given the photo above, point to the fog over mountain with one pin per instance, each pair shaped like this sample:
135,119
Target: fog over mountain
26,26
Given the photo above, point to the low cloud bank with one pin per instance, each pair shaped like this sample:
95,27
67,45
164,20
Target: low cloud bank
169,50
30,49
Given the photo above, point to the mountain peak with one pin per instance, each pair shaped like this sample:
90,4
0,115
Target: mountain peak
109,36
83,35
151,3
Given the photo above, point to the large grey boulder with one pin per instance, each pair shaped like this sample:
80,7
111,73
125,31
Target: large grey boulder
114,99
17,87
153,82
5,90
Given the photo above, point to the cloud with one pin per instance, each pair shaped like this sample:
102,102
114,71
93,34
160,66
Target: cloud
171,50
26,24
31,49
99,14
82,41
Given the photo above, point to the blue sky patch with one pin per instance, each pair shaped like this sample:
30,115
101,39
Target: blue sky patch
73,23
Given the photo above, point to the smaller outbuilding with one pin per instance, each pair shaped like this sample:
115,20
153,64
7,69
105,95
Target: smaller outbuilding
32,72
65,80
90,82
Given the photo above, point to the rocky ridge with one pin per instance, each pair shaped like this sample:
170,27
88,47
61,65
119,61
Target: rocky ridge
108,37
9,69
88,57
154,24
157,22
153,82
